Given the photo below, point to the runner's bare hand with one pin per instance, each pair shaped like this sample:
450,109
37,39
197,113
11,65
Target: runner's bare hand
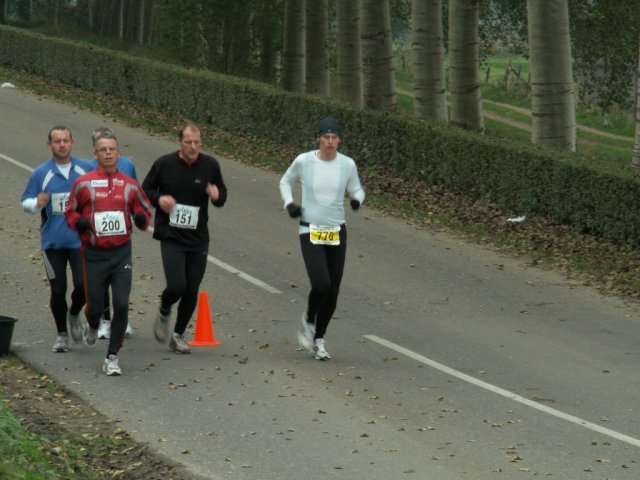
166,203
43,199
213,192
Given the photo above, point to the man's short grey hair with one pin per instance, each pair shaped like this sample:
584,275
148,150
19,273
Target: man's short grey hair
110,136
101,132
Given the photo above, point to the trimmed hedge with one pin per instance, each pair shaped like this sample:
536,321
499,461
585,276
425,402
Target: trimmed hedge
522,179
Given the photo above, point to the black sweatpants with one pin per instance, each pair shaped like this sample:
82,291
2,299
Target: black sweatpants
55,264
184,267
325,266
104,267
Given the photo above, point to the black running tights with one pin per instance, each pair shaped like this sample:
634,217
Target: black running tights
184,267
55,264
325,266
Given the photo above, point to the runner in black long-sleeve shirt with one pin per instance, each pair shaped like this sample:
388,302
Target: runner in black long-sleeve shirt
180,185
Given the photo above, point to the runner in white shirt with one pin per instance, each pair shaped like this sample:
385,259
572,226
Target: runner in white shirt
325,175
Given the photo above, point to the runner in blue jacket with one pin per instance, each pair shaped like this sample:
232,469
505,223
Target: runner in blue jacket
47,193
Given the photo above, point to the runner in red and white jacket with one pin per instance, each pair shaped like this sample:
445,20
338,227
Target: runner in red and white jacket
101,207
107,201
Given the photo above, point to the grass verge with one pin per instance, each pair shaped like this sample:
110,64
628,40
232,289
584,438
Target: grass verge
48,433
27,456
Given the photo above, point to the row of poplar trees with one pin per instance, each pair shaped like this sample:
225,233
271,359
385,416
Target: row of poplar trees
292,41
365,69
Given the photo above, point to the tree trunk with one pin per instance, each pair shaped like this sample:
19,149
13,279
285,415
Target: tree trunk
104,16
464,65
25,10
236,38
55,7
152,8
268,26
292,78
552,87
121,20
377,55
3,11
317,53
130,20
150,18
349,52
90,13
430,99
635,160
141,21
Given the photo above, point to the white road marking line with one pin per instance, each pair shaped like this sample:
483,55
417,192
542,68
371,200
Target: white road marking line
244,276
505,393
16,163
215,261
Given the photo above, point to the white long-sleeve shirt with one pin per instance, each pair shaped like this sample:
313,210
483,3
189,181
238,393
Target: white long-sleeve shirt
324,183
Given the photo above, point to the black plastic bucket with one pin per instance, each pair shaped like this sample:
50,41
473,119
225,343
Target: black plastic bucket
6,332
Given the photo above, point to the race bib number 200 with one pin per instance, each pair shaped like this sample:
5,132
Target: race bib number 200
324,235
109,223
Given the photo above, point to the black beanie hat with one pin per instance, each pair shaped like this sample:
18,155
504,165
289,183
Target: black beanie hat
329,125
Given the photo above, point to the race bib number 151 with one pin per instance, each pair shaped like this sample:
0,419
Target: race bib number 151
184,216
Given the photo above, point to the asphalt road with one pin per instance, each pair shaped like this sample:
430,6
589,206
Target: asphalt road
449,361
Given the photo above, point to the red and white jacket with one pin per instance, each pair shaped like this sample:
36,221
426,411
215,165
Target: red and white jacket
109,201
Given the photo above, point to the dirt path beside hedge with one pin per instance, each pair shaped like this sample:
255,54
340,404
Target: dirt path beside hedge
527,127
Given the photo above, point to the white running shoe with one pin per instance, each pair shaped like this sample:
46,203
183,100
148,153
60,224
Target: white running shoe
304,342
104,330
90,336
306,334
129,331
321,351
178,344
161,327
62,343
75,324
308,328
110,366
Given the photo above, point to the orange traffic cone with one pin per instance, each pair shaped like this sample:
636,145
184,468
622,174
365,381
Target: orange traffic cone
204,326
